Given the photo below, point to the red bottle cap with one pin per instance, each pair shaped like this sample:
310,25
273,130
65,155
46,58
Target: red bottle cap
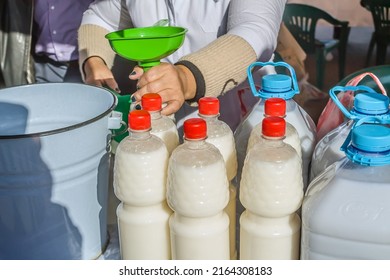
208,106
275,107
139,120
274,127
151,102
195,128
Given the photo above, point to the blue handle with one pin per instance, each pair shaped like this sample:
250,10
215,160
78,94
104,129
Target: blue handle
262,64
350,88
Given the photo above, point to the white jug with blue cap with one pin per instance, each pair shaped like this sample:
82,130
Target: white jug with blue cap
346,210
367,102
282,86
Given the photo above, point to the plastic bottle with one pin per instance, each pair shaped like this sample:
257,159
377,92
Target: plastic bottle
162,126
346,210
282,86
366,103
140,171
276,107
198,192
221,136
272,192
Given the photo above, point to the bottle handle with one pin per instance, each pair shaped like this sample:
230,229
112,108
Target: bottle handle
344,110
262,64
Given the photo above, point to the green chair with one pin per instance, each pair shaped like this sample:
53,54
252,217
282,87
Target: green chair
301,20
381,71
380,11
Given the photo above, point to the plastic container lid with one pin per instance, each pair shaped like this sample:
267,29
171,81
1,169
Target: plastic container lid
195,129
275,107
273,127
139,120
371,138
371,103
276,83
208,106
151,102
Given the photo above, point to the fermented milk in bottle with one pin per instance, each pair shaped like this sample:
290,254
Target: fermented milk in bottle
366,103
162,126
282,86
271,190
198,192
276,107
221,136
346,210
140,171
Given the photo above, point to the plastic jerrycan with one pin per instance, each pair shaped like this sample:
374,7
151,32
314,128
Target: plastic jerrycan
366,103
346,210
282,86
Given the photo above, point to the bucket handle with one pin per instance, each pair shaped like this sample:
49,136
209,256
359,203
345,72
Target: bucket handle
115,122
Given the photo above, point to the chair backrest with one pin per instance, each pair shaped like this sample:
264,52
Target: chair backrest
380,11
301,20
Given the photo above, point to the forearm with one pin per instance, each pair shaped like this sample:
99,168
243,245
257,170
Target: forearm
220,66
92,42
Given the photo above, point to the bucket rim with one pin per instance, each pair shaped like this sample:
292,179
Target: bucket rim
66,128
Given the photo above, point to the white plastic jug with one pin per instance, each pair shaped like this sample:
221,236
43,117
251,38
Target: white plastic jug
282,86
346,210
366,103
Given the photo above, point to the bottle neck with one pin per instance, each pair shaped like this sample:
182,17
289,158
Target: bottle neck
274,139
209,118
195,144
139,134
154,115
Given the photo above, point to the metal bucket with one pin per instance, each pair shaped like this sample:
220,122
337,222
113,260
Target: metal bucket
54,170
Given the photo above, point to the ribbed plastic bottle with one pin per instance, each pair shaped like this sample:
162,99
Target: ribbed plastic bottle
276,107
272,192
346,210
162,126
221,136
198,192
140,172
281,86
366,103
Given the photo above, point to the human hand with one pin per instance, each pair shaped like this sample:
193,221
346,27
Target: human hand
98,74
174,83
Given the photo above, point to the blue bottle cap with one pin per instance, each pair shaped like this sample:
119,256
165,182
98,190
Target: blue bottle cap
371,104
371,138
277,85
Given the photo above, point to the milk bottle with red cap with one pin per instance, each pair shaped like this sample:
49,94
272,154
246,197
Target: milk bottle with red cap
198,192
162,126
271,190
276,107
282,86
140,171
366,103
346,210
221,136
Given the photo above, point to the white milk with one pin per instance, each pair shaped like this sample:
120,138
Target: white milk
140,183
220,135
271,190
327,150
197,191
163,127
346,216
292,138
296,116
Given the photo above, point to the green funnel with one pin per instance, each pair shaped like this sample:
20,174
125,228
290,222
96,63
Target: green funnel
147,45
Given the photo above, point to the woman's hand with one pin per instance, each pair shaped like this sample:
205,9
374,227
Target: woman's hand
98,74
174,83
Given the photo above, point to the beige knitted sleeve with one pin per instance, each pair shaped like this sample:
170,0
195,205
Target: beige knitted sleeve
92,42
222,65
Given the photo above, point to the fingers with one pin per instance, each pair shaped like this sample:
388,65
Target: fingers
136,73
